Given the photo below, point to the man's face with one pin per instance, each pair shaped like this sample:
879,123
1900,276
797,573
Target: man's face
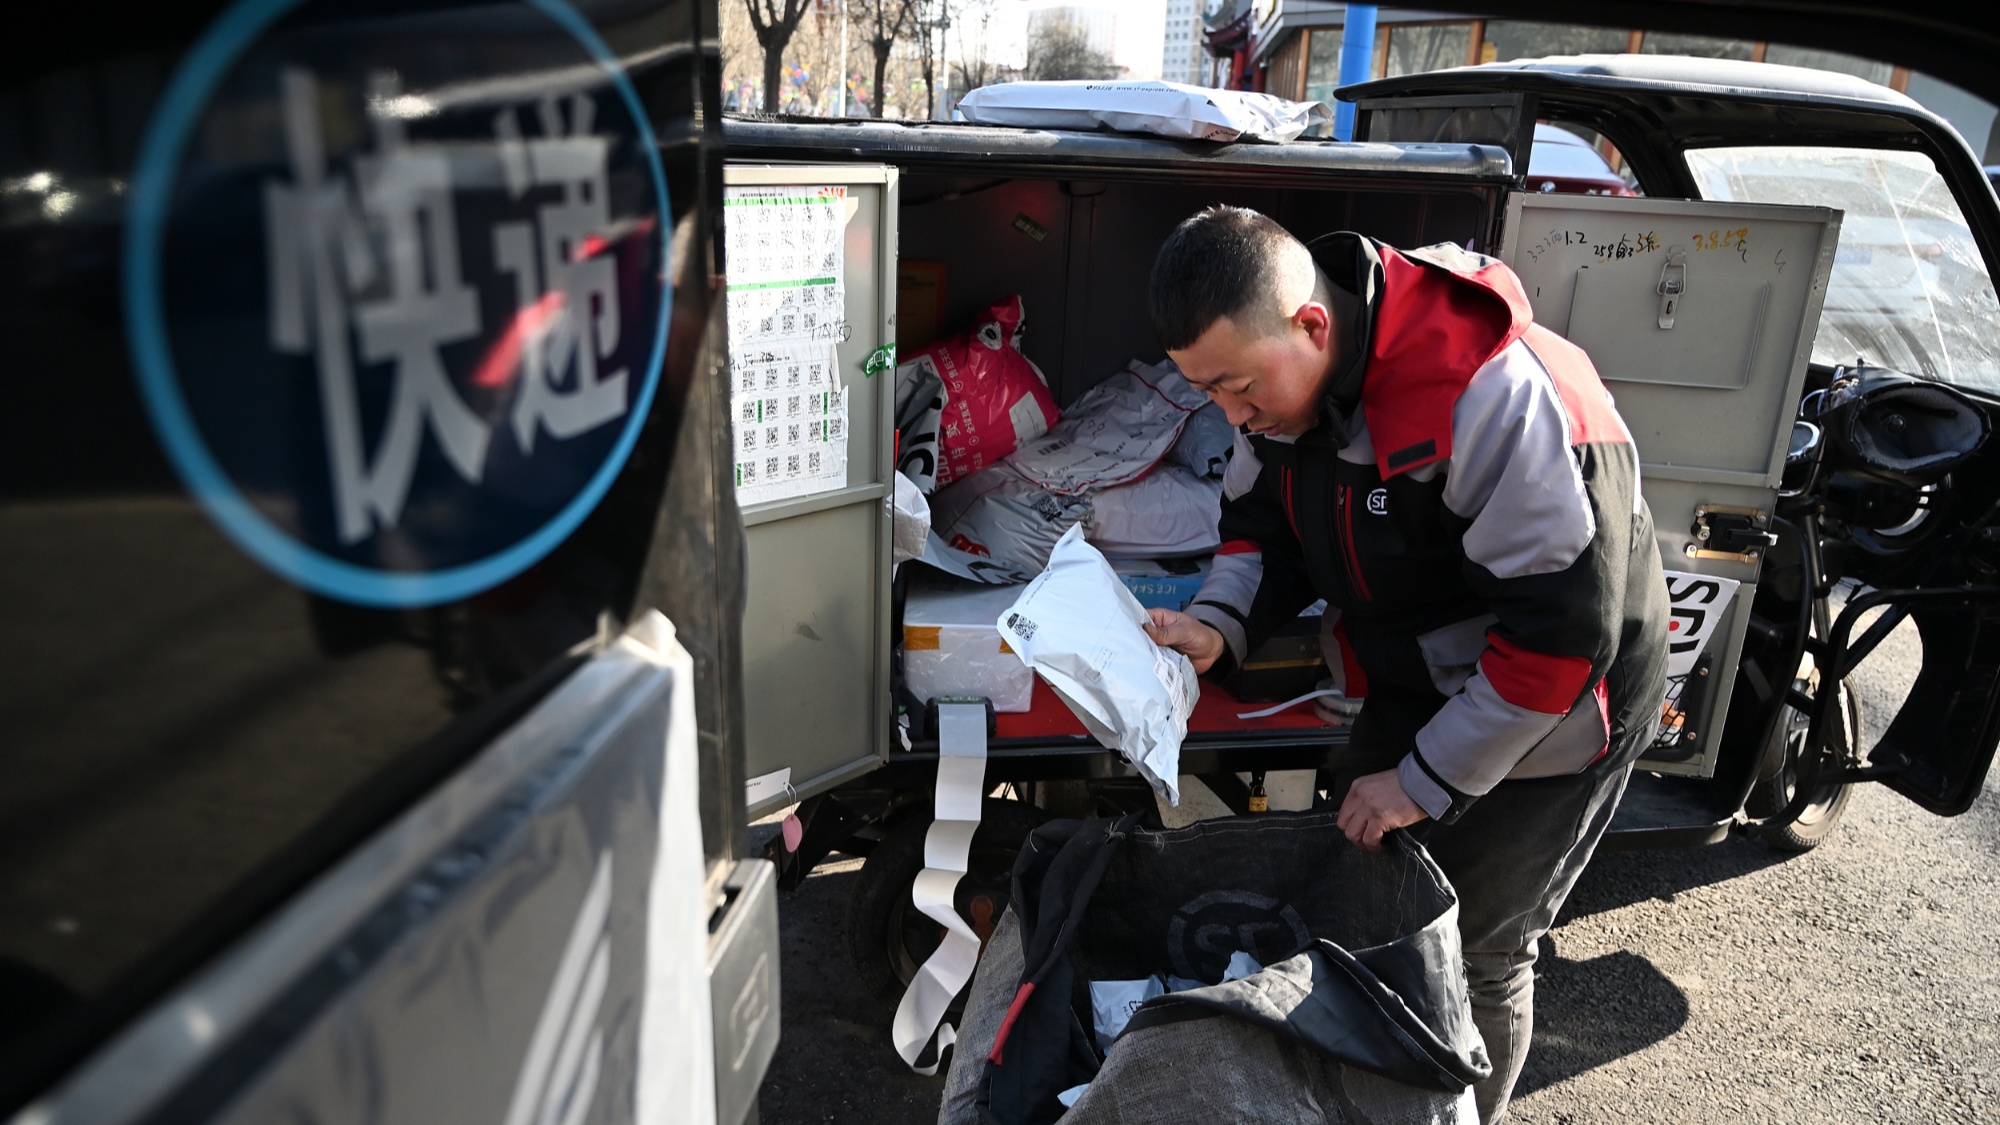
1270,382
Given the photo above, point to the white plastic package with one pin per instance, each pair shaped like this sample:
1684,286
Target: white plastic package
1121,447
1079,627
1169,511
911,519
1114,433
971,564
1205,442
1004,519
1112,1003
1169,109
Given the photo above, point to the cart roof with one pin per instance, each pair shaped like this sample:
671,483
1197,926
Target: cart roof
1645,75
977,146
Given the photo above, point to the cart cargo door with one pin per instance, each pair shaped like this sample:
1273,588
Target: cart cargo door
1700,318
811,254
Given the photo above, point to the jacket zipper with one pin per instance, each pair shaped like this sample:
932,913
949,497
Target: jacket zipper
1349,558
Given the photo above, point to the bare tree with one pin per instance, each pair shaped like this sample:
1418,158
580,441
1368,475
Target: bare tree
1060,48
932,17
975,66
774,22
811,66
969,74
883,22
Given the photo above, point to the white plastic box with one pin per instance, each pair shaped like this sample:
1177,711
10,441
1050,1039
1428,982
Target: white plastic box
951,647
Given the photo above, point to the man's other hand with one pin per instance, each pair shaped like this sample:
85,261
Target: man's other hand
1176,630
1376,804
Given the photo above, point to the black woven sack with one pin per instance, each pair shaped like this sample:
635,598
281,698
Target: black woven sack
1361,954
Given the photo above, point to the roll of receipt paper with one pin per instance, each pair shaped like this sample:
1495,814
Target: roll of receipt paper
1079,627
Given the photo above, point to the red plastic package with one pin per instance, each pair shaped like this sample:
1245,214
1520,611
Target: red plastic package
965,402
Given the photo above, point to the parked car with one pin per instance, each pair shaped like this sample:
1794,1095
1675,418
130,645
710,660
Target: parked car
367,651
1562,161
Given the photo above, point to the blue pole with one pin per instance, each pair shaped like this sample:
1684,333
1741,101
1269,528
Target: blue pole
1357,62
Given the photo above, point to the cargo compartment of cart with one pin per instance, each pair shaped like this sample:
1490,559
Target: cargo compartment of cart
938,224
943,222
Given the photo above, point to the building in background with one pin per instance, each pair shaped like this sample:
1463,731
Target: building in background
1098,25
1229,35
1293,50
1182,56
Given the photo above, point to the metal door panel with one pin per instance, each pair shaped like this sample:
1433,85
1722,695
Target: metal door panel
1710,401
816,623
809,638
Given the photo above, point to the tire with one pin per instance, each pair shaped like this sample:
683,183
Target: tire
1821,817
887,936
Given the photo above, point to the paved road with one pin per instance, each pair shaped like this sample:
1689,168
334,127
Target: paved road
1860,982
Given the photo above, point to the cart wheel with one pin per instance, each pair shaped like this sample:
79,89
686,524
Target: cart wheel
1820,817
888,937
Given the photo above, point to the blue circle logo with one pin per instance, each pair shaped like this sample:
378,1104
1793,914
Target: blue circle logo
395,289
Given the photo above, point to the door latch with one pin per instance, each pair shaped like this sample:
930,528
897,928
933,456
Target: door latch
1737,534
1673,284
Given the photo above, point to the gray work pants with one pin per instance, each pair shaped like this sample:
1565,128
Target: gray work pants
1512,857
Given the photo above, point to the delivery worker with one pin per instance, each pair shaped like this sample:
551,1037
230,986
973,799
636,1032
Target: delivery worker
1454,480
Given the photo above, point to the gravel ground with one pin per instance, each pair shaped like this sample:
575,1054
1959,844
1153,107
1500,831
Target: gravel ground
1860,982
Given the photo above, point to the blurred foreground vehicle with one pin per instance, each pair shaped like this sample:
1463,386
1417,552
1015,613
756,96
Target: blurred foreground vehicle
368,655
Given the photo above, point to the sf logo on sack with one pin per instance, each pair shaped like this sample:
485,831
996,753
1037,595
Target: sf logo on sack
1205,930
398,314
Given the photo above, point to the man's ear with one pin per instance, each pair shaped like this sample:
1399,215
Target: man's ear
1316,320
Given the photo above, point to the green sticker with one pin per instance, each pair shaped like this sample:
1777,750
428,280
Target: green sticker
1030,227
881,359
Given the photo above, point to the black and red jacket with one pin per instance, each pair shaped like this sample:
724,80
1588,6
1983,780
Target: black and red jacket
1469,507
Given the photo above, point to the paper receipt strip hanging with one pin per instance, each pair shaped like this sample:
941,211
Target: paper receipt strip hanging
961,786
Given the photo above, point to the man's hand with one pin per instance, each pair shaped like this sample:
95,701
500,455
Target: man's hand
1376,804
1176,630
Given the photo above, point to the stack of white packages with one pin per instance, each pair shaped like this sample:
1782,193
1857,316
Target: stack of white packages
1133,460
1168,109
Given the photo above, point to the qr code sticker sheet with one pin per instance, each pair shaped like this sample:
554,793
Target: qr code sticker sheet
786,305
790,418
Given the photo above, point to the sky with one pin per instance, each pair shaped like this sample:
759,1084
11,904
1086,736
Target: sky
1141,30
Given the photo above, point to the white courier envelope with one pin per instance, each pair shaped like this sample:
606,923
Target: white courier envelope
1083,631
1169,109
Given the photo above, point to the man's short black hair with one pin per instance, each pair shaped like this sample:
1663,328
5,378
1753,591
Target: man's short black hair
1221,262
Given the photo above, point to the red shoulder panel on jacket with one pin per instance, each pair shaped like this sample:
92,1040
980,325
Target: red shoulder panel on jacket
1434,327
1592,417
